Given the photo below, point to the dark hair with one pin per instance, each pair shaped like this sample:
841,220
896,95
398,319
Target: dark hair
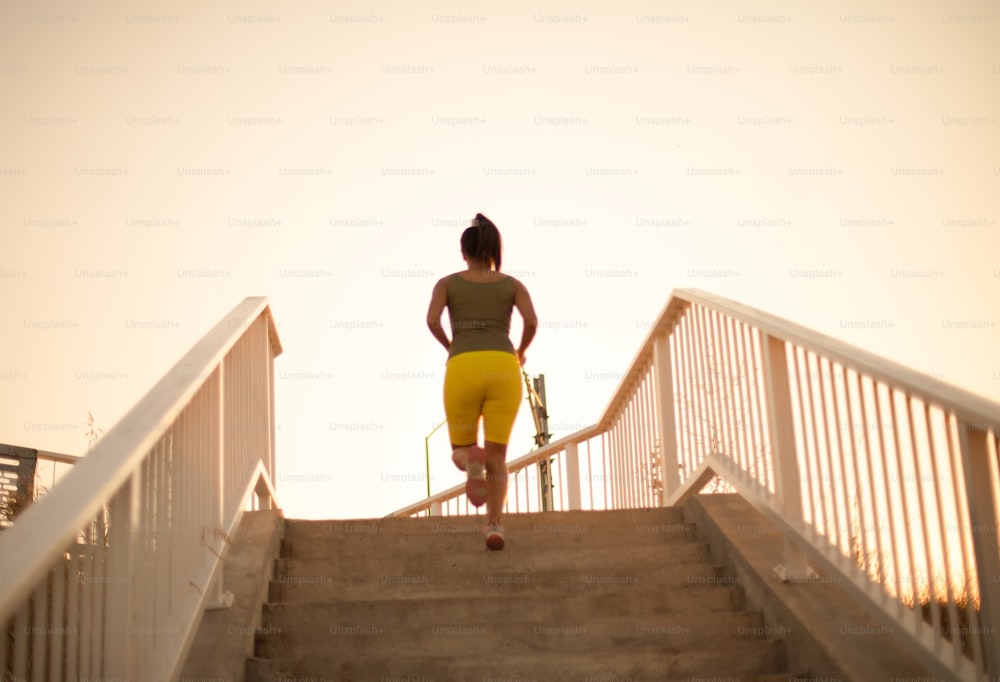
482,241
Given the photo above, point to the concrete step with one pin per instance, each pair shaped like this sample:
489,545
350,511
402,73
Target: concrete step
326,538
643,520
580,607
298,632
684,556
723,661
554,583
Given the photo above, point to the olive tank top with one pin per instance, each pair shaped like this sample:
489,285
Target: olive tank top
480,314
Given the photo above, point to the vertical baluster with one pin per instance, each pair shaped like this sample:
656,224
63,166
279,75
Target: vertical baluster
904,497
692,407
727,394
920,505
632,448
215,520
682,405
621,473
782,439
644,440
41,634
149,539
963,531
801,390
743,407
609,470
911,564
610,454
664,399
833,534
560,484
864,490
572,476
712,389
941,532
838,394
118,659
190,440
642,449
58,577
590,476
22,641
888,497
703,414
982,484
726,400
86,601
626,431
7,637
74,621
654,445
101,569
625,476
695,397
763,447
639,456
169,575
816,445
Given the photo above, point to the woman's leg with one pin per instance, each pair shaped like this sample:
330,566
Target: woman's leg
460,455
496,480
461,409
503,399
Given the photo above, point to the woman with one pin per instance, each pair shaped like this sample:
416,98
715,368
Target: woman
483,374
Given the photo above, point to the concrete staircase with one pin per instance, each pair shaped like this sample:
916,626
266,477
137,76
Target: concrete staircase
589,596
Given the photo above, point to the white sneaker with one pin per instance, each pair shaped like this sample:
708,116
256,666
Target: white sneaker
494,536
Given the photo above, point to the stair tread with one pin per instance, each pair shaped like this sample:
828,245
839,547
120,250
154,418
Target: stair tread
358,635
475,555
549,584
321,541
736,659
475,522
642,600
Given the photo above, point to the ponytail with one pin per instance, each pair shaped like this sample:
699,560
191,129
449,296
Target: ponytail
482,241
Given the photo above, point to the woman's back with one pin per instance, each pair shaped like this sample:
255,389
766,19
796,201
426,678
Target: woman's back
479,308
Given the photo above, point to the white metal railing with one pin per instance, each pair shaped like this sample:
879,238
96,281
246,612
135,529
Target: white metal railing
106,576
882,477
50,466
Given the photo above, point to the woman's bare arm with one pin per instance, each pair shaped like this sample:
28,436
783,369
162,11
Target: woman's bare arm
522,301
439,299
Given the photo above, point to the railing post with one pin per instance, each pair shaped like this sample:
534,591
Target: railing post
572,458
119,636
982,481
220,599
667,430
782,439
271,456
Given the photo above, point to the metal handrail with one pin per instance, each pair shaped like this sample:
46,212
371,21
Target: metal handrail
427,454
106,576
787,414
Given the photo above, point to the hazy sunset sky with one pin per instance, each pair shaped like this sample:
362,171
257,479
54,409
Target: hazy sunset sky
836,163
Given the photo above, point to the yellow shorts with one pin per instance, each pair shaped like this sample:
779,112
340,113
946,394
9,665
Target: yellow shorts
482,383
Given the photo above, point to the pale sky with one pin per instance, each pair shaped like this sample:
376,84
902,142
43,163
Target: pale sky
837,164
